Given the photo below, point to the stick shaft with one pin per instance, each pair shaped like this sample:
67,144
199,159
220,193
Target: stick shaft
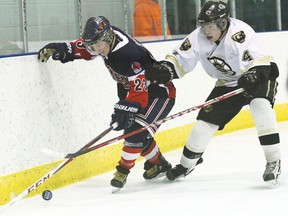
58,168
161,121
39,182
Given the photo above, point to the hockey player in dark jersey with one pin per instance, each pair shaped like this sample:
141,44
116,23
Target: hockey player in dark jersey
140,102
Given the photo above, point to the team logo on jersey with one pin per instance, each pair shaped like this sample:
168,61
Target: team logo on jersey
222,66
118,77
239,37
186,45
136,67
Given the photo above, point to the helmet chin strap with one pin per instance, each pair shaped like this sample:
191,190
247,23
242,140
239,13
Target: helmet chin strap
222,35
223,32
112,44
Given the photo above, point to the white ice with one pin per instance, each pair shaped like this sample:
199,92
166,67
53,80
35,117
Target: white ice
228,183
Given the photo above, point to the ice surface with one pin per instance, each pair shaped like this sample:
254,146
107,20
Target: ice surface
228,183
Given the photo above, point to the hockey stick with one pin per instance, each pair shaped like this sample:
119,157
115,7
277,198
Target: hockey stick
87,148
56,169
161,121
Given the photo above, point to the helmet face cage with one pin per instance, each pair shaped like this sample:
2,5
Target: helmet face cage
93,46
214,13
221,23
96,30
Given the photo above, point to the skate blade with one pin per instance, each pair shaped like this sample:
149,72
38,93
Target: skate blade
166,180
160,175
156,177
273,183
115,189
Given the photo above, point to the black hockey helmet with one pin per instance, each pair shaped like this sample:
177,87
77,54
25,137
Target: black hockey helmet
214,11
96,29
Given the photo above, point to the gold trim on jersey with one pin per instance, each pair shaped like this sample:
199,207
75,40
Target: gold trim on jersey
264,61
172,58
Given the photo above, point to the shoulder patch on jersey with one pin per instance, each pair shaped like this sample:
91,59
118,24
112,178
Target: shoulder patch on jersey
239,37
186,45
136,67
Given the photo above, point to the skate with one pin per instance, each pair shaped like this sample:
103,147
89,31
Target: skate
272,173
179,171
154,171
119,179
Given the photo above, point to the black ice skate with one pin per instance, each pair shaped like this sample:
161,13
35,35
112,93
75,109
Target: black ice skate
272,173
179,171
156,170
119,179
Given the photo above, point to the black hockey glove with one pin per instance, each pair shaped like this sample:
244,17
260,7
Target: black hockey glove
160,72
124,114
250,81
63,52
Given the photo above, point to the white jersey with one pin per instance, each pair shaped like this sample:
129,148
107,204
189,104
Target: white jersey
238,51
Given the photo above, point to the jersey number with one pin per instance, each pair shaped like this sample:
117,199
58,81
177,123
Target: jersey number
247,56
140,84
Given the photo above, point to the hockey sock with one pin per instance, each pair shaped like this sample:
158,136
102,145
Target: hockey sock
266,125
129,156
197,142
189,159
200,136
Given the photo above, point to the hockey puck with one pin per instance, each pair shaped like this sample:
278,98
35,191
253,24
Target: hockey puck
47,195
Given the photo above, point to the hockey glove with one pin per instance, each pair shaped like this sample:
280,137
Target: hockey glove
63,52
160,72
124,114
250,81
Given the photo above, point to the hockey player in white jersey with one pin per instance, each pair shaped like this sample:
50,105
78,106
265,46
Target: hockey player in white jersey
230,52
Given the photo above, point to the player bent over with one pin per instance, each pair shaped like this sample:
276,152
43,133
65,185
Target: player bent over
229,51
140,102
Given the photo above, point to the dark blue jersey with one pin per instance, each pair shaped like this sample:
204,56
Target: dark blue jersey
126,63
128,57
